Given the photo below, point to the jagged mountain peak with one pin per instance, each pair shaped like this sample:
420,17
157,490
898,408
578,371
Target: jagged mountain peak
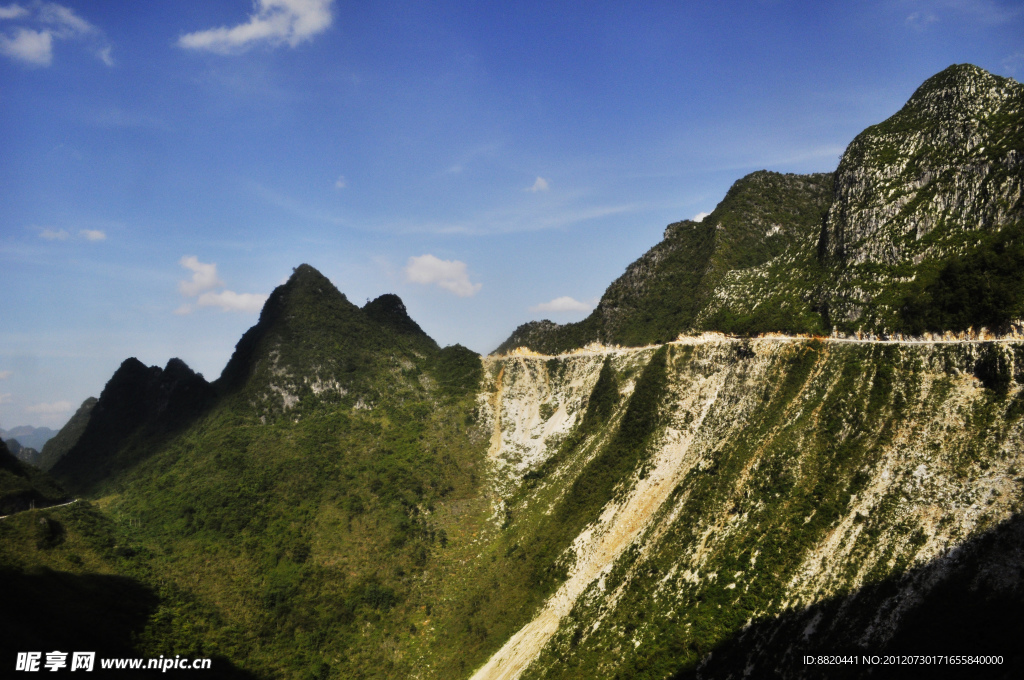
137,400
389,310
310,337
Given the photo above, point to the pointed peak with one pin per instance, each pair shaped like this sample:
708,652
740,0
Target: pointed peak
306,274
389,310
961,91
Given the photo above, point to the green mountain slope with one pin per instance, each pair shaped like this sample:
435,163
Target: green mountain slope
319,469
68,436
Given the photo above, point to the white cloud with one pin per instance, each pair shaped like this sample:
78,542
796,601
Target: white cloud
341,183
55,408
448,274
699,217
49,21
5,398
274,21
65,21
54,234
93,235
540,184
562,304
204,276
31,47
13,12
204,280
4,375
230,301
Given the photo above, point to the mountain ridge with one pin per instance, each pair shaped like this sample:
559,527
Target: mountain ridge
888,243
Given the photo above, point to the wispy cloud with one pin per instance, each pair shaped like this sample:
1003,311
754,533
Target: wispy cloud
451,275
1014,64
4,375
507,221
920,20
699,217
988,12
13,12
562,304
54,234
54,408
202,285
540,184
51,234
5,398
275,22
39,24
341,182
471,156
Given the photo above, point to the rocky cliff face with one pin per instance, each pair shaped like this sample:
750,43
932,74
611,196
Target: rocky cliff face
835,489
923,191
948,162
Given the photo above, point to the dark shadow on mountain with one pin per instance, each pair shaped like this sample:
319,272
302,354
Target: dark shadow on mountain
45,610
138,406
968,601
23,486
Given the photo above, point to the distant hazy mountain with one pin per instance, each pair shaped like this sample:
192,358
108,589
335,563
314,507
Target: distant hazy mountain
32,437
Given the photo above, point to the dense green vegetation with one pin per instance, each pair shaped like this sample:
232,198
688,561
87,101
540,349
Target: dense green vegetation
983,287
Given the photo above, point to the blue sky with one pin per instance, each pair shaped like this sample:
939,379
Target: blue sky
164,165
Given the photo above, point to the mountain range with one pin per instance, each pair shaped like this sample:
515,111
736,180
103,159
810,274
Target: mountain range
918,230
28,436
791,429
